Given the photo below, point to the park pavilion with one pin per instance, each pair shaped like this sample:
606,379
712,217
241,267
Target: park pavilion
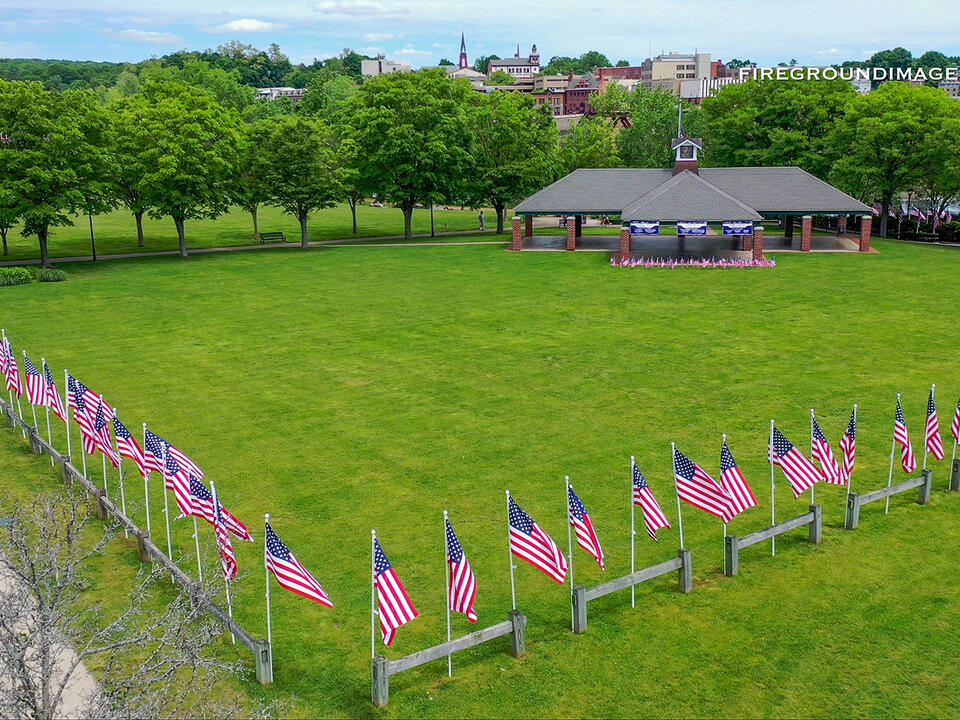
697,202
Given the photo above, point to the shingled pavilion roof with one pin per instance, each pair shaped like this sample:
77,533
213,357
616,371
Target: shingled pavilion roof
686,196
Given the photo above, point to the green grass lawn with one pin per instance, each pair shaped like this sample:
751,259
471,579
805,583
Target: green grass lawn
350,388
116,232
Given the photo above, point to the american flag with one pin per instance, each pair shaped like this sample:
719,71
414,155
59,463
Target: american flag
228,560
463,584
88,429
932,438
583,527
801,472
177,478
529,542
184,461
36,388
907,459
653,516
101,435
393,603
699,489
820,450
128,446
3,354
201,505
53,399
12,371
83,403
154,451
848,446
732,480
289,572
955,427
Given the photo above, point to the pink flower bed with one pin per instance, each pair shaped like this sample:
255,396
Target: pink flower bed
692,262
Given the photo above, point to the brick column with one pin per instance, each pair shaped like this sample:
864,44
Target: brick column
842,226
788,227
515,244
757,241
572,233
624,242
806,230
579,219
866,225
528,226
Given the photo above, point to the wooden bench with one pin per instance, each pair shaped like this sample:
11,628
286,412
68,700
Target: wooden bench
272,237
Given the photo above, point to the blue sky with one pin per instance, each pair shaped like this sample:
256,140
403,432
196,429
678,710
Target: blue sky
815,32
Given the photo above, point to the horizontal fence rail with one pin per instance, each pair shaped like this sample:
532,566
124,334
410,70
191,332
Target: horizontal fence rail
733,544
383,668
582,595
856,500
147,549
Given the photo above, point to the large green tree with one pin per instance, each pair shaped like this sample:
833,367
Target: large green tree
299,168
515,149
591,144
97,167
412,131
326,95
896,138
248,186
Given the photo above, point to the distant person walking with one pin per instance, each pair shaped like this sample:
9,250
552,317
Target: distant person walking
482,225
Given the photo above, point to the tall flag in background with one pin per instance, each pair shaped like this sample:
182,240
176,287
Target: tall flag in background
394,606
12,371
653,516
583,527
36,388
699,489
529,542
955,427
52,396
820,450
228,560
933,441
848,446
801,473
289,572
463,584
128,446
740,494
907,459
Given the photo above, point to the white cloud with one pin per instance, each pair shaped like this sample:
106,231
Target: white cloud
833,51
146,36
413,51
355,8
248,25
377,37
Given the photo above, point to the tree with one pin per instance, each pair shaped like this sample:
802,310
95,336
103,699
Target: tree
9,213
444,61
248,187
96,168
622,63
500,77
299,169
591,144
515,150
896,138
735,64
326,94
188,145
482,63
561,65
226,86
412,131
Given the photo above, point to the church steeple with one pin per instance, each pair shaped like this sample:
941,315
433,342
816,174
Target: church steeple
463,52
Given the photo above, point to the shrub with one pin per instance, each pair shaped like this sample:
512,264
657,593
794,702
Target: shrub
949,232
15,276
50,275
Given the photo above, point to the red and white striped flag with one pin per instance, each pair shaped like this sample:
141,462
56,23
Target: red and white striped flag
393,603
289,572
699,489
529,542
653,516
955,427
3,354
848,446
84,409
36,388
462,590
101,434
177,478
931,436
740,494
52,397
12,371
907,459
128,446
801,473
583,527
228,560
821,451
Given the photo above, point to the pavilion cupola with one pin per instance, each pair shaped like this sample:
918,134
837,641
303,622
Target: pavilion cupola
685,154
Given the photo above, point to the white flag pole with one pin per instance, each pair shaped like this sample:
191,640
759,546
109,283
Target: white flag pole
566,496
673,461
266,572
105,492
19,406
46,390
724,522
811,453
773,494
166,504
932,388
226,581
893,449
850,479
196,542
513,587
66,390
146,486
633,533
10,356
123,498
373,591
446,599
34,407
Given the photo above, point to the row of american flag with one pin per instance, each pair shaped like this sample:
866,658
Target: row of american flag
527,540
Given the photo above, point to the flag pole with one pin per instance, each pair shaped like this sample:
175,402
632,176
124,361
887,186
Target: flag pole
226,581
9,353
724,522
34,407
850,478
811,452
673,461
446,573
196,542
633,533
566,495
46,390
105,492
166,505
19,406
66,389
513,587
146,486
932,388
123,498
773,495
373,591
893,449
266,572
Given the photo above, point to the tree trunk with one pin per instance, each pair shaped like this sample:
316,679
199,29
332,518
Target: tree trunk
884,216
407,208
256,222
93,240
353,211
3,234
501,212
44,256
139,218
303,230
178,221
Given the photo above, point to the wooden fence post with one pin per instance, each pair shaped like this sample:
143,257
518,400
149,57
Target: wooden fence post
101,508
8,414
518,639
67,475
955,475
924,496
145,556
34,441
731,552
816,527
381,682
685,573
263,662
853,512
579,600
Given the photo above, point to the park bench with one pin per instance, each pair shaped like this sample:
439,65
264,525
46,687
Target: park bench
272,237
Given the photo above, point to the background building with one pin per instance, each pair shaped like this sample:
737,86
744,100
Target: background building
380,66
668,70
518,67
